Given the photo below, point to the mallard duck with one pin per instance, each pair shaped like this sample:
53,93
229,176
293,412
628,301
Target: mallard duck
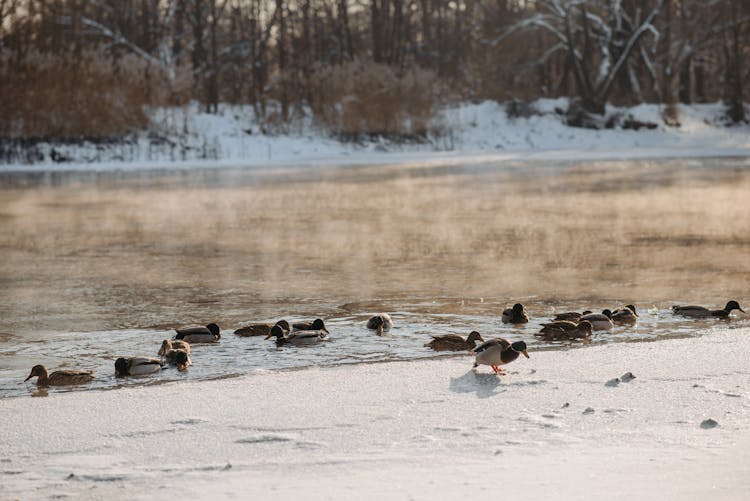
261,329
59,378
600,321
626,315
515,315
136,366
296,337
563,329
571,316
314,325
497,352
700,311
208,334
454,342
381,322
180,358
173,344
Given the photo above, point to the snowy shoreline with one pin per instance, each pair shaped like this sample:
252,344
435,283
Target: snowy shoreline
423,429
471,133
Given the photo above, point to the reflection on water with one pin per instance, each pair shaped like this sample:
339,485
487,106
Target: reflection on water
97,265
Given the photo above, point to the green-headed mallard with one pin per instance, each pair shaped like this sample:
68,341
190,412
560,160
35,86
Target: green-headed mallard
296,337
563,329
626,315
208,334
571,316
381,322
59,378
454,342
180,358
136,366
261,329
497,352
173,344
600,321
700,311
515,315
314,325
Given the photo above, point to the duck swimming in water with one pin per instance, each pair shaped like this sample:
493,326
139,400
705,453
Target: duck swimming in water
701,312
515,315
296,337
314,325
563,330
381,322
179,358
59,378
571,316
600,321
208,334
136,366
626,315
261,329
497,352
454,342
173,344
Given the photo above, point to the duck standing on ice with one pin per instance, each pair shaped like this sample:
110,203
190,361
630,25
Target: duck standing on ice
497,352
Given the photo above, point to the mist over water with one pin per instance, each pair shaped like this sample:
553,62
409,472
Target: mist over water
100,265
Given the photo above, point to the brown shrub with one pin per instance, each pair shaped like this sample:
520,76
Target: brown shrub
60,96
359,98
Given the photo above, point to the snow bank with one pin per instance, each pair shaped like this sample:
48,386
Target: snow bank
187,137
411,430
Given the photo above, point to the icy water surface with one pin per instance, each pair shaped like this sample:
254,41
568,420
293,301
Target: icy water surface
101,265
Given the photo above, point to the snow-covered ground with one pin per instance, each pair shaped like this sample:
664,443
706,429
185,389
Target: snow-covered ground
186,137
557,427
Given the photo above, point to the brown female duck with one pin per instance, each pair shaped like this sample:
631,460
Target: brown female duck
454,342
59,378
261,329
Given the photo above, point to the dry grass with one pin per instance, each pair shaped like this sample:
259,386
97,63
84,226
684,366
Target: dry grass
55,96
358,98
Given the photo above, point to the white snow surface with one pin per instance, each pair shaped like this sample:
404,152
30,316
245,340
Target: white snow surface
470,133
435,429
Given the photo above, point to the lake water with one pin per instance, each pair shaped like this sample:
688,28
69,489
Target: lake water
101,265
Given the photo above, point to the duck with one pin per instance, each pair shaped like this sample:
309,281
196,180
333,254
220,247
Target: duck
314,325
208,334
571,316
600,321
180,358
454,342
497,352
173,344
59,378
515,315
296,337
700,311
626,315
381,322
261,329
136,366
563,330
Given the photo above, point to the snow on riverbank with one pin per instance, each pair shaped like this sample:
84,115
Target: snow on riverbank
431,429
470,133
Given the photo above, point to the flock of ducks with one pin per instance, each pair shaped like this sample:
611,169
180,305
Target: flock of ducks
494,352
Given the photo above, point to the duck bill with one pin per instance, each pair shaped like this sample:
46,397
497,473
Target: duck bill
743,311
268,336
525,354
30,376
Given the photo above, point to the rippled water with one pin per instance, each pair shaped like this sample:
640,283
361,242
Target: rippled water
101,265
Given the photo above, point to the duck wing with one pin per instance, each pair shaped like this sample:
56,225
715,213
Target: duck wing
503,343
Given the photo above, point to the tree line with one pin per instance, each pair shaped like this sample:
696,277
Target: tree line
89,67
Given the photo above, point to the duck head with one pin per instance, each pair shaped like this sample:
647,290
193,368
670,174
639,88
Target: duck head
37,370
587,327
276,332
214,330
319,325
631,308
519,346
474,336
284,325
166,345
122,367
517,309
181,360
733,305
607,313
